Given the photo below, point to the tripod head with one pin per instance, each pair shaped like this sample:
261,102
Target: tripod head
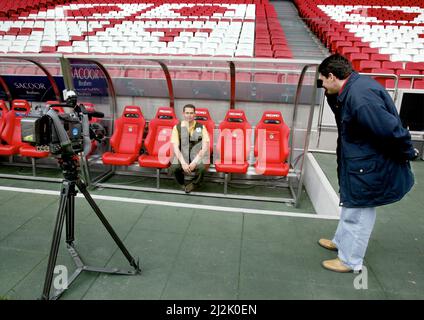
69,165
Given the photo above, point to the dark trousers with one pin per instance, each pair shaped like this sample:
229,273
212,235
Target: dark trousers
177,170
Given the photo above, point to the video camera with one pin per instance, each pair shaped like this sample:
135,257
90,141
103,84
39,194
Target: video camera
62,134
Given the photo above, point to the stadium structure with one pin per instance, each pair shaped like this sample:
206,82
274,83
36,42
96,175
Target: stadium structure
271,191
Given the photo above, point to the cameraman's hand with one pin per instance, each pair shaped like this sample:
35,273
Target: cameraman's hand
186,167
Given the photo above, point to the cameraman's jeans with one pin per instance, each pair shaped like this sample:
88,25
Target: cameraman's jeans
352,235
177,170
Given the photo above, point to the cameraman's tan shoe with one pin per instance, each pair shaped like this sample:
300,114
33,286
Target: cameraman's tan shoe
336,265
327,244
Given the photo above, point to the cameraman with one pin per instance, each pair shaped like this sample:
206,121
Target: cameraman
373,153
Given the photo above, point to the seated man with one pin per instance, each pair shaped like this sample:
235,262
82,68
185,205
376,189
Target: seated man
190,142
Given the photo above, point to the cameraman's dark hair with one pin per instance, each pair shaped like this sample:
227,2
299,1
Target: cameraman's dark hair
189,106
336,64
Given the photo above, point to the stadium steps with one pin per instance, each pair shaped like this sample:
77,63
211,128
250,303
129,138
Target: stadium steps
303,44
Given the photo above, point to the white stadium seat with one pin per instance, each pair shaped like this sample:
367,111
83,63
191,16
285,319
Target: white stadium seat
401,57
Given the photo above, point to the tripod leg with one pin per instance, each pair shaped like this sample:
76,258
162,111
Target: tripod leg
70,215
82,187
56,240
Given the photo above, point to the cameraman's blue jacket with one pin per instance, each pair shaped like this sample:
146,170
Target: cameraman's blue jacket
373,149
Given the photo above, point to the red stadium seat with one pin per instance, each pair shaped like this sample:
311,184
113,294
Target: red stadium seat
356,58
31,151
115,72
127,138
336,46
11,134
333,38
381,70
263,53
27,150
188,75
233,143
266,77
355,41
392,65
272,145
367,66
48,49
203,116
415,66
383,80
136,73
369,50
157,143
56,108
402,83
209,75
3,112
348,50
90,108
243,77
419,84
283,54
407,72
279,46
379,57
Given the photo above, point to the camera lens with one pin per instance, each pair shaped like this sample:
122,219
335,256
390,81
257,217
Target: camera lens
319,83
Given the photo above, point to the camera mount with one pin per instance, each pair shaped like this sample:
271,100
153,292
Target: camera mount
69,165
47,128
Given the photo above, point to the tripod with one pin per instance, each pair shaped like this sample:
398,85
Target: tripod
69,166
